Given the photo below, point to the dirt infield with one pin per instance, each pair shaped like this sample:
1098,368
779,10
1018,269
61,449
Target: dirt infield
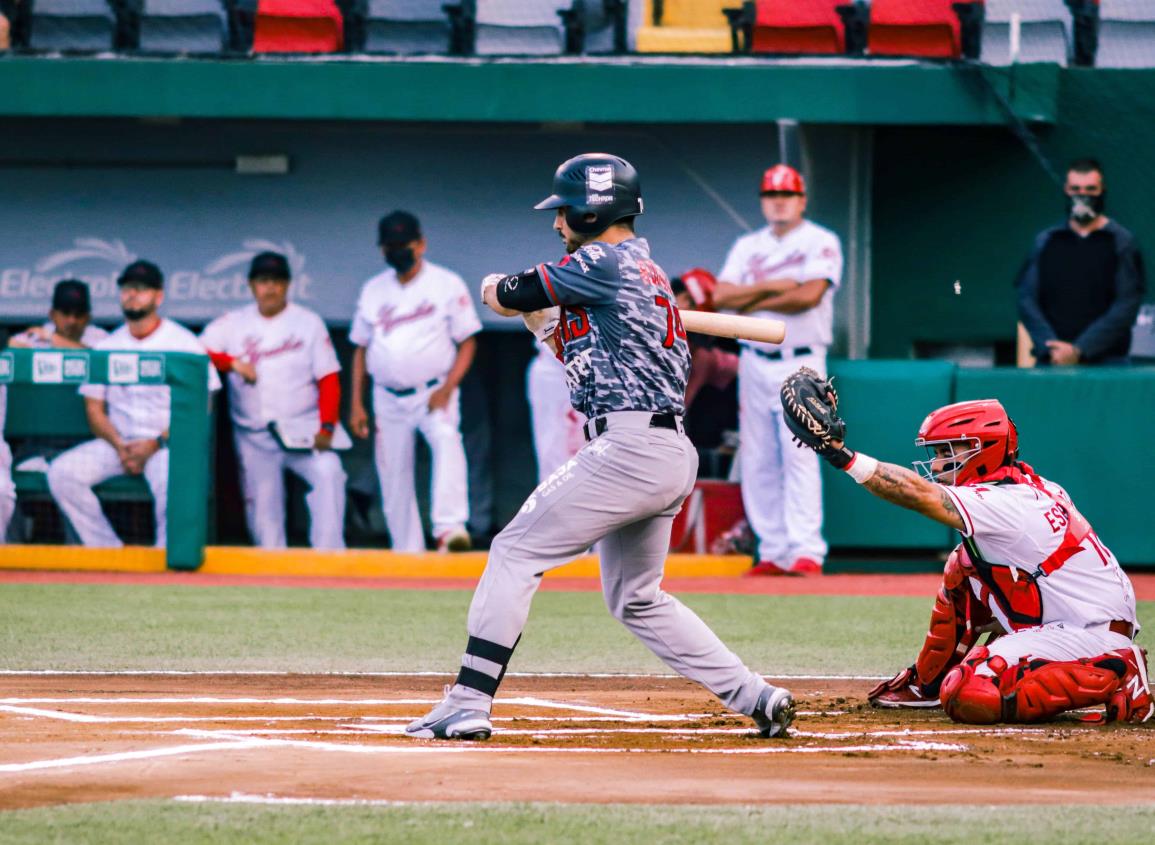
71,738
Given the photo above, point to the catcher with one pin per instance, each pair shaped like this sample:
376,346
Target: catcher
1030,572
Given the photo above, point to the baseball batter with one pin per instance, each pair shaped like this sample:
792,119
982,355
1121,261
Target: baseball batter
130,421
1030,570
413,330
282,374
626,363
788,270
557,427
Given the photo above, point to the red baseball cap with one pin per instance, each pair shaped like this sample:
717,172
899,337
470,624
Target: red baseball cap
782,178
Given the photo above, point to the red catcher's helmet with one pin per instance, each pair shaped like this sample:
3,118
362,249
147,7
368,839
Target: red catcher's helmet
700,285
784,178
990,437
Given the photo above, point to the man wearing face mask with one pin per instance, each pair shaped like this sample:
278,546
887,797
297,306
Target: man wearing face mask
413,331
1082,286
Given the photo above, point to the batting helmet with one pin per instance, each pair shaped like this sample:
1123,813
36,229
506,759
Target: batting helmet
991,437
782,178
598,186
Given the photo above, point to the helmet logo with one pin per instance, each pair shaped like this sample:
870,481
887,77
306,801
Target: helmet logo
600,184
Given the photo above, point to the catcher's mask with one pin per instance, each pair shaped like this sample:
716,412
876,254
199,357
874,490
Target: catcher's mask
596,190
966,441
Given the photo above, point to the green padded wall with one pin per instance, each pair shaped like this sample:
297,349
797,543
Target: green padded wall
883,403
1061,416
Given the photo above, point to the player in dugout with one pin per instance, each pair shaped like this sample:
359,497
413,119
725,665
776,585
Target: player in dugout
1030,571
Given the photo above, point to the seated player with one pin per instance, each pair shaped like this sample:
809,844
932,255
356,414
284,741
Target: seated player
69,323
1030,570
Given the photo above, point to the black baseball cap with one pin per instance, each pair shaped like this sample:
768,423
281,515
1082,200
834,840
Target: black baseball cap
70,296
142,274
398,227
269,265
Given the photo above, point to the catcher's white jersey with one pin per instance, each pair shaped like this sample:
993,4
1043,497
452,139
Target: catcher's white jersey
808,251
1018,525
412,330
291,352
92,336
140,411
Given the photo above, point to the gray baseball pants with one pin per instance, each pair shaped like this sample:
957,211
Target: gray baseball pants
621,491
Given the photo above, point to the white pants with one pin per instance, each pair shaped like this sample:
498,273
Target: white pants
398,419
7,489
781,484
1055,641
263,463
557,427
73,474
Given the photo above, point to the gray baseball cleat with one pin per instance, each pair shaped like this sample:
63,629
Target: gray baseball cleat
446,721
774,712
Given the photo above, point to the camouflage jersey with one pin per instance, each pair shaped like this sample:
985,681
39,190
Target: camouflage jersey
623,343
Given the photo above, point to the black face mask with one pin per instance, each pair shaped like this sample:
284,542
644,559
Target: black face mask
1083,208
400,258
134,314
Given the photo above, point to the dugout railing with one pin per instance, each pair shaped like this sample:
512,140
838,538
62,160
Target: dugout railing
43,401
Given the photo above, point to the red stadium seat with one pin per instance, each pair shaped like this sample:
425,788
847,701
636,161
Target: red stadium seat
927,28
297,26
798,26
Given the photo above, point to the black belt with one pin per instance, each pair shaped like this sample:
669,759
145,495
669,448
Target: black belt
1121,626
776,354
600,424
409,391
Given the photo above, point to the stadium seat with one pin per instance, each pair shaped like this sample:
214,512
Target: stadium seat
686,26
520,27
71,25
406,26
805,26
183,26
924,28
1045,31
1126,34
298,26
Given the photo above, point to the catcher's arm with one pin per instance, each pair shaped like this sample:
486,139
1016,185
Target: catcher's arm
810,406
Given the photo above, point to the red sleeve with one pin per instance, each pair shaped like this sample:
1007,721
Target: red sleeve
329,398
221,360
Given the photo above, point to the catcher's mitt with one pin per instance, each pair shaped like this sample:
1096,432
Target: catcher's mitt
811,408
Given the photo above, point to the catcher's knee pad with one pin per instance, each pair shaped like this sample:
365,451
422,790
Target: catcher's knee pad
1030,691
972,698
949,637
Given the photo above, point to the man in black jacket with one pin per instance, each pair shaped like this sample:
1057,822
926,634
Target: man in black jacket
1084,281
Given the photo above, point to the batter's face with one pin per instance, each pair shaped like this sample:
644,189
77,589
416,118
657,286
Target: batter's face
272,295
138,301
782,209
69,325
573,241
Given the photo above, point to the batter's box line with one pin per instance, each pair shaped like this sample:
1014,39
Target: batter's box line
423,673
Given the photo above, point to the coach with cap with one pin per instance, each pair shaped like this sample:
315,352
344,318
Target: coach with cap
413,334
130,422
69,323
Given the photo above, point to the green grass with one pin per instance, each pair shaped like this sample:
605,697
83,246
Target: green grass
101,627
437,824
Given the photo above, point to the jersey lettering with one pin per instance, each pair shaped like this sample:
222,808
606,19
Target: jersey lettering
674,328
579,326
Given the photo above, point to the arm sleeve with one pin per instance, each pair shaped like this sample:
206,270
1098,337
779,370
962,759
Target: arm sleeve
329,398
223,361
460,312
825,262
587,277
1030,312
1130,285
324,357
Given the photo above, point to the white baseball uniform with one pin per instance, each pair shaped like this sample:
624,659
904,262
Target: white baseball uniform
411,332
557,427
291,352
1029,527
92,336
137,412
7,487
781,484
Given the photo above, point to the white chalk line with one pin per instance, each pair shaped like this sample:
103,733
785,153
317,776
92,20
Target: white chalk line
120,757
243,798
425,673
